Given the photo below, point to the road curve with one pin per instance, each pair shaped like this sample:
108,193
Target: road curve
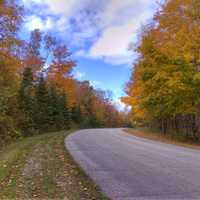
131,168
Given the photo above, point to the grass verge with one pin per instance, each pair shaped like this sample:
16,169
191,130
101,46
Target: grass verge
165,138
40,167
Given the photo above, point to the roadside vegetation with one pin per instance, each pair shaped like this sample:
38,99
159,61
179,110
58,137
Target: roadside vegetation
169,138
164,89
38,92
40,167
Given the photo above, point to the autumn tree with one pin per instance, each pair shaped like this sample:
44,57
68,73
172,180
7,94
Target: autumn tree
60,73
164,86
32,57
37,89
10,20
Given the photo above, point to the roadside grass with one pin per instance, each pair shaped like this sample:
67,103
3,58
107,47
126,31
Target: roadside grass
168,138
40,167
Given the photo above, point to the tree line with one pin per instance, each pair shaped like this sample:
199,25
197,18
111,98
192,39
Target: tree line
164,89
38,92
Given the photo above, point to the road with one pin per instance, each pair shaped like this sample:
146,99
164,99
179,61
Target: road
131,168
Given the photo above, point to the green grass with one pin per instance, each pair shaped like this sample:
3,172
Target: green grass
40,167
12,160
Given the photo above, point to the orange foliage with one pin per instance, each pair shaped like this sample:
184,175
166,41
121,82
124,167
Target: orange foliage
60,74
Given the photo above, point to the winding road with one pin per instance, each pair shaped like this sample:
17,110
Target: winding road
130,168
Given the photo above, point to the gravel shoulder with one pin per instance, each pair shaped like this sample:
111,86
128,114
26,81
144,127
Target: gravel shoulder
40,167
164,138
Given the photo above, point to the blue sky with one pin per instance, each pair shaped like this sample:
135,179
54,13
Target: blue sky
98,33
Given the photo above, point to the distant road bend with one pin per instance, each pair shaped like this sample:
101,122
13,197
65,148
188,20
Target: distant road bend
131,168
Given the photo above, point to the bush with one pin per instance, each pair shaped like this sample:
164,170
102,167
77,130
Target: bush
8,132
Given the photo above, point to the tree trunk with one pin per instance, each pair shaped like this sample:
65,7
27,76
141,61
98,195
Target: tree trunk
197,121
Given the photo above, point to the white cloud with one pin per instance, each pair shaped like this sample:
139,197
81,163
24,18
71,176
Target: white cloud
113,42
119,105
81,53
108,26
113,45
50,14
118,11
95,84
54,6
79,75
61,6
35,22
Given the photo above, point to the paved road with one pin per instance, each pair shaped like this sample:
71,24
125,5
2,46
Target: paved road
131,168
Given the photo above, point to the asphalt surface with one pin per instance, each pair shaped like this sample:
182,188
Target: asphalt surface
131,168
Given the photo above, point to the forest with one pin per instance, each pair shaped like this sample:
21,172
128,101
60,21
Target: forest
38,92
63,138
164,89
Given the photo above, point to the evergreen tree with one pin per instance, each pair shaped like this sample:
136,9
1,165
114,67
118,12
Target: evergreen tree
59,116
52,106
42,98
64,111
26,101
76,114
26,89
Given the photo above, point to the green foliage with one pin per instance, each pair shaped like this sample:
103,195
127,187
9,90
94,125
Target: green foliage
34,99
43,106
10,17
27,102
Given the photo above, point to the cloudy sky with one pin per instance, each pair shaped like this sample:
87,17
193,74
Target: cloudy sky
98,33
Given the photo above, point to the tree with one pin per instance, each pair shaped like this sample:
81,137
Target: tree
60,74
34,97
76,114
164,85
10,64
33,58
26,101
41,98
64,120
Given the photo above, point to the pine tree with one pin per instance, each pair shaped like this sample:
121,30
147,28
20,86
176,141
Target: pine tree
26,101
65,115
76,114
41,97
58,112
52,106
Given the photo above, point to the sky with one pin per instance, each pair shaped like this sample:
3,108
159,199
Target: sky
97,32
